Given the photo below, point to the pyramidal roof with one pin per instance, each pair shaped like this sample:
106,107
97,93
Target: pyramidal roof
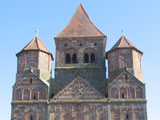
36,44
123,42
80,26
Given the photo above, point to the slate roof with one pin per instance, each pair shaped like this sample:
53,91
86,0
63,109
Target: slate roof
80,26
123,42
36,44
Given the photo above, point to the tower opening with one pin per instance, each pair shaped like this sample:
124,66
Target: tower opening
86,58
74,58
93,59
68,58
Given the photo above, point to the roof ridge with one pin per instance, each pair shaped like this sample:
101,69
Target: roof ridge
129,43
36,39
90,19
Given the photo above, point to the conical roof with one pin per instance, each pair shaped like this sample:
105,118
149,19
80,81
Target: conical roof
80,26
36,44
123,42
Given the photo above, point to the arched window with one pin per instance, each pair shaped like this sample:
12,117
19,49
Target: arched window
93,59
68,58
122,92
18,94
114,93
74,58
139,92
35,94
86,58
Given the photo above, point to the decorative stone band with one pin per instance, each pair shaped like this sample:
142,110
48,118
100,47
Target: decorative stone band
82,101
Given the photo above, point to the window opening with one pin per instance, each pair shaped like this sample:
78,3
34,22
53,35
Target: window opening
86,58
31,81
93,58
74,58
65,45
127,116
122,95
31,118
68,58
126,76
52,95
34,97
106,95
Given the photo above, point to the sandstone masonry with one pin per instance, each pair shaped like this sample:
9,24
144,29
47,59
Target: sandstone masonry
80,89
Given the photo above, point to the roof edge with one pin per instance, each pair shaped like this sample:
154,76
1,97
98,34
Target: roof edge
35,50
124,48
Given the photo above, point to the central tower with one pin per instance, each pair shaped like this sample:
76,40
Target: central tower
80,51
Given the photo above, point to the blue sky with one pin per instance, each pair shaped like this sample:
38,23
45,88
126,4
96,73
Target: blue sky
139,18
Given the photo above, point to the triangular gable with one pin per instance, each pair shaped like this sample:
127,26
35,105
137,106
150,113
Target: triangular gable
125,71
27,72
80,26
78,89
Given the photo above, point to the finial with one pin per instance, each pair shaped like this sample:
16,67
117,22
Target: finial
36,33
31,69
125,67
122,32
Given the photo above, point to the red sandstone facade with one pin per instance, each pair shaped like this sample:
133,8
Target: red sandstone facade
80,89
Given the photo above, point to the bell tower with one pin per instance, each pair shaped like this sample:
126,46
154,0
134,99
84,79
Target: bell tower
80,51
36,57
124,55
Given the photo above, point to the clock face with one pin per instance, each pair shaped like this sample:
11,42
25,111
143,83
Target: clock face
78,90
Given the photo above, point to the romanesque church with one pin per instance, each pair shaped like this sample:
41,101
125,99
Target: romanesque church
80,89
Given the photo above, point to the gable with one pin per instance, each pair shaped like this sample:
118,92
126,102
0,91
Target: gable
78,89
29,78
121,80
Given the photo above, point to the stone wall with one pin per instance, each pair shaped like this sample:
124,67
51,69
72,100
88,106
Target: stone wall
79,46
95,76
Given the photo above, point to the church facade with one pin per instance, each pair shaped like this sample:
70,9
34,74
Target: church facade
80,89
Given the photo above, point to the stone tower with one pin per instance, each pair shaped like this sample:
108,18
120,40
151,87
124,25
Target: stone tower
80,51
32,82
124,54
80,89
125,82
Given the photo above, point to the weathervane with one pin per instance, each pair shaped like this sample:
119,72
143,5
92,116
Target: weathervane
122,32
36,33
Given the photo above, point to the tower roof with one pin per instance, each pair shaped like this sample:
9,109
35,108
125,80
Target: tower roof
123,42
80,25
36,44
